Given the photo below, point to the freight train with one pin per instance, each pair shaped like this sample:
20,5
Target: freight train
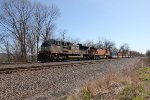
54,50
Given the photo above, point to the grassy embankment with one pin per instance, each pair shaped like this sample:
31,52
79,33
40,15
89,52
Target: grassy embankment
135,86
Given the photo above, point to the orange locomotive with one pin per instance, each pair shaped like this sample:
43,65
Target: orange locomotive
103,53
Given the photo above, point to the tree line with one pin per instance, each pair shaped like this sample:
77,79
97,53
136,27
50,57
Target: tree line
24,25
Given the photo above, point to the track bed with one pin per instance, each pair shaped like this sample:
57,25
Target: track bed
10,68
48,84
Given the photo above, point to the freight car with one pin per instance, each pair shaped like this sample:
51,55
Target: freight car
54,50
125,54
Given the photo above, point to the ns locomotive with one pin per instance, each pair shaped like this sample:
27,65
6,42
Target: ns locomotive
54,50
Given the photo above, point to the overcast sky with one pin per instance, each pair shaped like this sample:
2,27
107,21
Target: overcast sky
122,21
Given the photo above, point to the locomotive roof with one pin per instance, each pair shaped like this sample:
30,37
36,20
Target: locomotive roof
53,41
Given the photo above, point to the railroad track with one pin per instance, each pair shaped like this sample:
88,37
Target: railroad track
30,67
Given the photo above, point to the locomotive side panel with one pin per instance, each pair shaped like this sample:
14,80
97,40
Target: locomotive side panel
103,53
74,49
55,49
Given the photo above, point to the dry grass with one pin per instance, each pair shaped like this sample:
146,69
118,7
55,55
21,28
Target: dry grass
110,87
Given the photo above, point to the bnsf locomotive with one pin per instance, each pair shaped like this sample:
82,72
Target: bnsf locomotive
54,50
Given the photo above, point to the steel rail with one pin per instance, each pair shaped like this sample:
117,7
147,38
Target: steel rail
9,70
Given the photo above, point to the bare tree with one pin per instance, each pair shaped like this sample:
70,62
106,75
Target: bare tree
5,46
63,35
124,49
105,44
14,17
100,44
17,57
44,17
51,14
27,23
109,44
89,43
39,19
148,53
76,41
31,45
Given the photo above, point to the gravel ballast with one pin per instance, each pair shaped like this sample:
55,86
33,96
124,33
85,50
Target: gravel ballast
48,84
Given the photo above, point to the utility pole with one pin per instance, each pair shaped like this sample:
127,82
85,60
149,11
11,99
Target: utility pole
63,34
